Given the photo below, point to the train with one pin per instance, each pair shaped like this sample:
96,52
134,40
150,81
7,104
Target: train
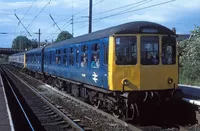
118,68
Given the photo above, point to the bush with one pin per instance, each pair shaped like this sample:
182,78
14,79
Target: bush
189,51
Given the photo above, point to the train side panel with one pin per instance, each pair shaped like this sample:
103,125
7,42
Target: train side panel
17,59
34,60
66,62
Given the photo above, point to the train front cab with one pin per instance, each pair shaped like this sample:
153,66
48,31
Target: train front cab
143,65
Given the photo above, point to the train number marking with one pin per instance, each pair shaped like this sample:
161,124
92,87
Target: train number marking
83,75
95,77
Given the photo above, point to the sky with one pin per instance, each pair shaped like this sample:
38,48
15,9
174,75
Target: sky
35,15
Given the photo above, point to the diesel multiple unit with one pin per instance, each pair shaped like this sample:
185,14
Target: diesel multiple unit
118,68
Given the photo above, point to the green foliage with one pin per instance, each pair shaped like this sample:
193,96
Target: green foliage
22,43
189,51
34,43
63,36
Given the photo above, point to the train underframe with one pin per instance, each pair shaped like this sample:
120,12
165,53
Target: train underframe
124,105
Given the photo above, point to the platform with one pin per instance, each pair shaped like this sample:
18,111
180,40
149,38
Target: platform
191,94
5,116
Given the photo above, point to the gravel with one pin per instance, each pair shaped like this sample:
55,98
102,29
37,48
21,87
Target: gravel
166,118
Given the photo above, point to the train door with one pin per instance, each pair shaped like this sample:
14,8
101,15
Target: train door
58,63
96,61
84,65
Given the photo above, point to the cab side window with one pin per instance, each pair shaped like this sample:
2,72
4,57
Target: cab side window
105,55
168,50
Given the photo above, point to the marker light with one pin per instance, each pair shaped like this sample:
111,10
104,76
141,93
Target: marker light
125,82
170,80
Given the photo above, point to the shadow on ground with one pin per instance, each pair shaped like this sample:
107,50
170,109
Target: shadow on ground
169,115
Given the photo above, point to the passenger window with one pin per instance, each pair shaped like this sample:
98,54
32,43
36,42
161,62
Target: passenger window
71,57
149,50
95,61
168,50
65,57
84,58
57,56
95,47
84,48
34,59
77,55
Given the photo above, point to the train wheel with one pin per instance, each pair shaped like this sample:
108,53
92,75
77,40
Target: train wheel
97,104
132,112
118,113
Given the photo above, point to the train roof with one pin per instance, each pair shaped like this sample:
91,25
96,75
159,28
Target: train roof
21,53
35,50
127,28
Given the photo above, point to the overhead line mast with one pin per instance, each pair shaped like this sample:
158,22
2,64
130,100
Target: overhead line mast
90,16
72,25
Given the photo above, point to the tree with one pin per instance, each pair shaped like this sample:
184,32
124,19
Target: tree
190,57
63,36
34,43
21,42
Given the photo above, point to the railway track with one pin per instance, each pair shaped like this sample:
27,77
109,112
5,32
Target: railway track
47,115
17,108
91,117
62,96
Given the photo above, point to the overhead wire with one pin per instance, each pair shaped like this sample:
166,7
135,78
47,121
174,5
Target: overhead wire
68,23
28,10
79,12
135,3
120,13
120,7
22,19
105,17
39,13
138,9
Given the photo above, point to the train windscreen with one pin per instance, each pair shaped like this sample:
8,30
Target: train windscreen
126,50
149,50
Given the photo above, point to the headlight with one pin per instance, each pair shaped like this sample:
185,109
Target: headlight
125,82
170,80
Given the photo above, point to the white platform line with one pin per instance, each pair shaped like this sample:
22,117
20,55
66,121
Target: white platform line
194,102
7,106
189,86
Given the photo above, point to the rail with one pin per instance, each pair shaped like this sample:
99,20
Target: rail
17,99
73,124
